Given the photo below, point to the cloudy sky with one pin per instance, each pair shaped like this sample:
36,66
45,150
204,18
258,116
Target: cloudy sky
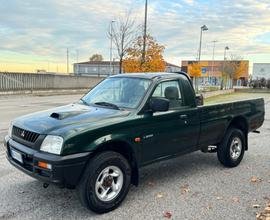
34,34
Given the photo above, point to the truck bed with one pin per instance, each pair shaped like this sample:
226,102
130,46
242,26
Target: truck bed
215,118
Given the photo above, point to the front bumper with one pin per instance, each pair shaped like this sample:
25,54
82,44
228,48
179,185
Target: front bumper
66,170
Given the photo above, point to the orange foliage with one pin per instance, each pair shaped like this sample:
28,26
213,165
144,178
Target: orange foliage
195,69
240,68
154,61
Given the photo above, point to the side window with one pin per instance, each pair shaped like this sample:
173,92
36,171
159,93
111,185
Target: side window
171,91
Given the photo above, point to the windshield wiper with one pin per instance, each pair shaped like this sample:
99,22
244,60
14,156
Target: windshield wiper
84,102
108,105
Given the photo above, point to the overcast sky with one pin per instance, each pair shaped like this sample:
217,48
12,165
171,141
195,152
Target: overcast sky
34,34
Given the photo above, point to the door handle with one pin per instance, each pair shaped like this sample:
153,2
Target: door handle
183,117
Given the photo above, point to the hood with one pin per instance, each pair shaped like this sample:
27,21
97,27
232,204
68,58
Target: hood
45,122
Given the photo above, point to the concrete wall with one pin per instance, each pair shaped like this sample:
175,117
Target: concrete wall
32,81
218,92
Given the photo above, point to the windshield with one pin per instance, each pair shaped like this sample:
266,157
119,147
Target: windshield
122,92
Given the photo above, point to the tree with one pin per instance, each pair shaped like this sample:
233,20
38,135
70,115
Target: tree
123,34
263,82
240,68
96,57
195,71
153,62
268,84
232,70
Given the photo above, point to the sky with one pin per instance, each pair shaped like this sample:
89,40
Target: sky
35,34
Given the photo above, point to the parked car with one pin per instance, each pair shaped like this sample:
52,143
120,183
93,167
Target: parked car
99,143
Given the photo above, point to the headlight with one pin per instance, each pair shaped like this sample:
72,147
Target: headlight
52,144
10,130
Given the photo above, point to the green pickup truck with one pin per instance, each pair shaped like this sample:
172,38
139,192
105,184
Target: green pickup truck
98,143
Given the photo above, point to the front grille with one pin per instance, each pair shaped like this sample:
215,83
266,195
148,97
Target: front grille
24,134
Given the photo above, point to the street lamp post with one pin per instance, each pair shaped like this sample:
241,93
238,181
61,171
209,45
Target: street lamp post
203,28
111,44
213,59
225,49
144,32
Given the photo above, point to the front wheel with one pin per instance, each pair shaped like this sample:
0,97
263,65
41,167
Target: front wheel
105,182
231,150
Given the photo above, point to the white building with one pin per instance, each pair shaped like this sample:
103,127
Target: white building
261,70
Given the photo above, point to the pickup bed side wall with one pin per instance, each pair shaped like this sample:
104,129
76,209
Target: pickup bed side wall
215,119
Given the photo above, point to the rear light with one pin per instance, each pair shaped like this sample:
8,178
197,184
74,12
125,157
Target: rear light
45,165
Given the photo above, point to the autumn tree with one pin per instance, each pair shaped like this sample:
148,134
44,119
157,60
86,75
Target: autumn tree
154,61
232,70
195,71
96,57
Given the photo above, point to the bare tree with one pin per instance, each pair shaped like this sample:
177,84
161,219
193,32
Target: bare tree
123,34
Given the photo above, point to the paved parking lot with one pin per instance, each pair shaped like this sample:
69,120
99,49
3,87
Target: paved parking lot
194,186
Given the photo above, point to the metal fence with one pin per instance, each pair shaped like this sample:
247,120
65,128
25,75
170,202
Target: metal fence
31,81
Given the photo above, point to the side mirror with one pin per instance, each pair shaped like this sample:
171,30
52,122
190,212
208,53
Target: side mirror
159,104
199,100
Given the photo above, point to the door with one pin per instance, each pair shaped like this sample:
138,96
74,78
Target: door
173,132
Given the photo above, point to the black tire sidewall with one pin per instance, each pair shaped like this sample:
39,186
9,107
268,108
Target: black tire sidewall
224,148
96,165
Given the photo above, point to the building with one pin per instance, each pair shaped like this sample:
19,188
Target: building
211,71
171,68
102,68
95,68
261,70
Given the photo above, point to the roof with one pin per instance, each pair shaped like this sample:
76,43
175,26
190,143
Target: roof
150,75
170,64
98,62
115,62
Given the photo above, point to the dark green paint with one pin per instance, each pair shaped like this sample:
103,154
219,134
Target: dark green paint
163,134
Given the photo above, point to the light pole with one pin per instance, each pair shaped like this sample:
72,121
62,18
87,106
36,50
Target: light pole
213,59
145,31
111,43
203,28
67,61
225,49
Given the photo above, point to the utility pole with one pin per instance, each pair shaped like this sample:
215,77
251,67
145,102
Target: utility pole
145,31
67,61
111,45
77,55
213,59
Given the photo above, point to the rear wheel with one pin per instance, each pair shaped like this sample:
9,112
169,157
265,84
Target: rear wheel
105,182
231,150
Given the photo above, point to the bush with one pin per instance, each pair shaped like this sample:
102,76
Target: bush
268,84
263,82
260,83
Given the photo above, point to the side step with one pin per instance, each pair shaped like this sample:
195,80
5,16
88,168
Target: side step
209,149
257,132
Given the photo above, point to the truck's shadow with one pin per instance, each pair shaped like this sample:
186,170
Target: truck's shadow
65,204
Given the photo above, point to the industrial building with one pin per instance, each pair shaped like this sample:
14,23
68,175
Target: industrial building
102,68
211,71
261,70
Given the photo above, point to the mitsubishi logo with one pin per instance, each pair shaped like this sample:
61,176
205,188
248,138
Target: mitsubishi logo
23,134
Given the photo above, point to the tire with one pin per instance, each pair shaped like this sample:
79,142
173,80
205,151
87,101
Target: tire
228,152
100,176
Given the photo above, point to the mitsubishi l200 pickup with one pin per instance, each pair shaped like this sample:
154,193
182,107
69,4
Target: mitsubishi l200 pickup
99,143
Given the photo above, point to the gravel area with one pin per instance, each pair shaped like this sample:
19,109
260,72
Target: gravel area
193,186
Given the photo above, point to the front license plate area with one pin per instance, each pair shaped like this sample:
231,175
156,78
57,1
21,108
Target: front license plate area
16,155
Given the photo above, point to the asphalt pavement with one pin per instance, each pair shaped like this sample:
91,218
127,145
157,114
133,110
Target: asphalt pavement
193,186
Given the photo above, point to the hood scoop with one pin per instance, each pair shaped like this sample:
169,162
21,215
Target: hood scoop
63,115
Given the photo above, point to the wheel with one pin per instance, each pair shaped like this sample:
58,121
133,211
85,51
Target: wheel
105,182
231,150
